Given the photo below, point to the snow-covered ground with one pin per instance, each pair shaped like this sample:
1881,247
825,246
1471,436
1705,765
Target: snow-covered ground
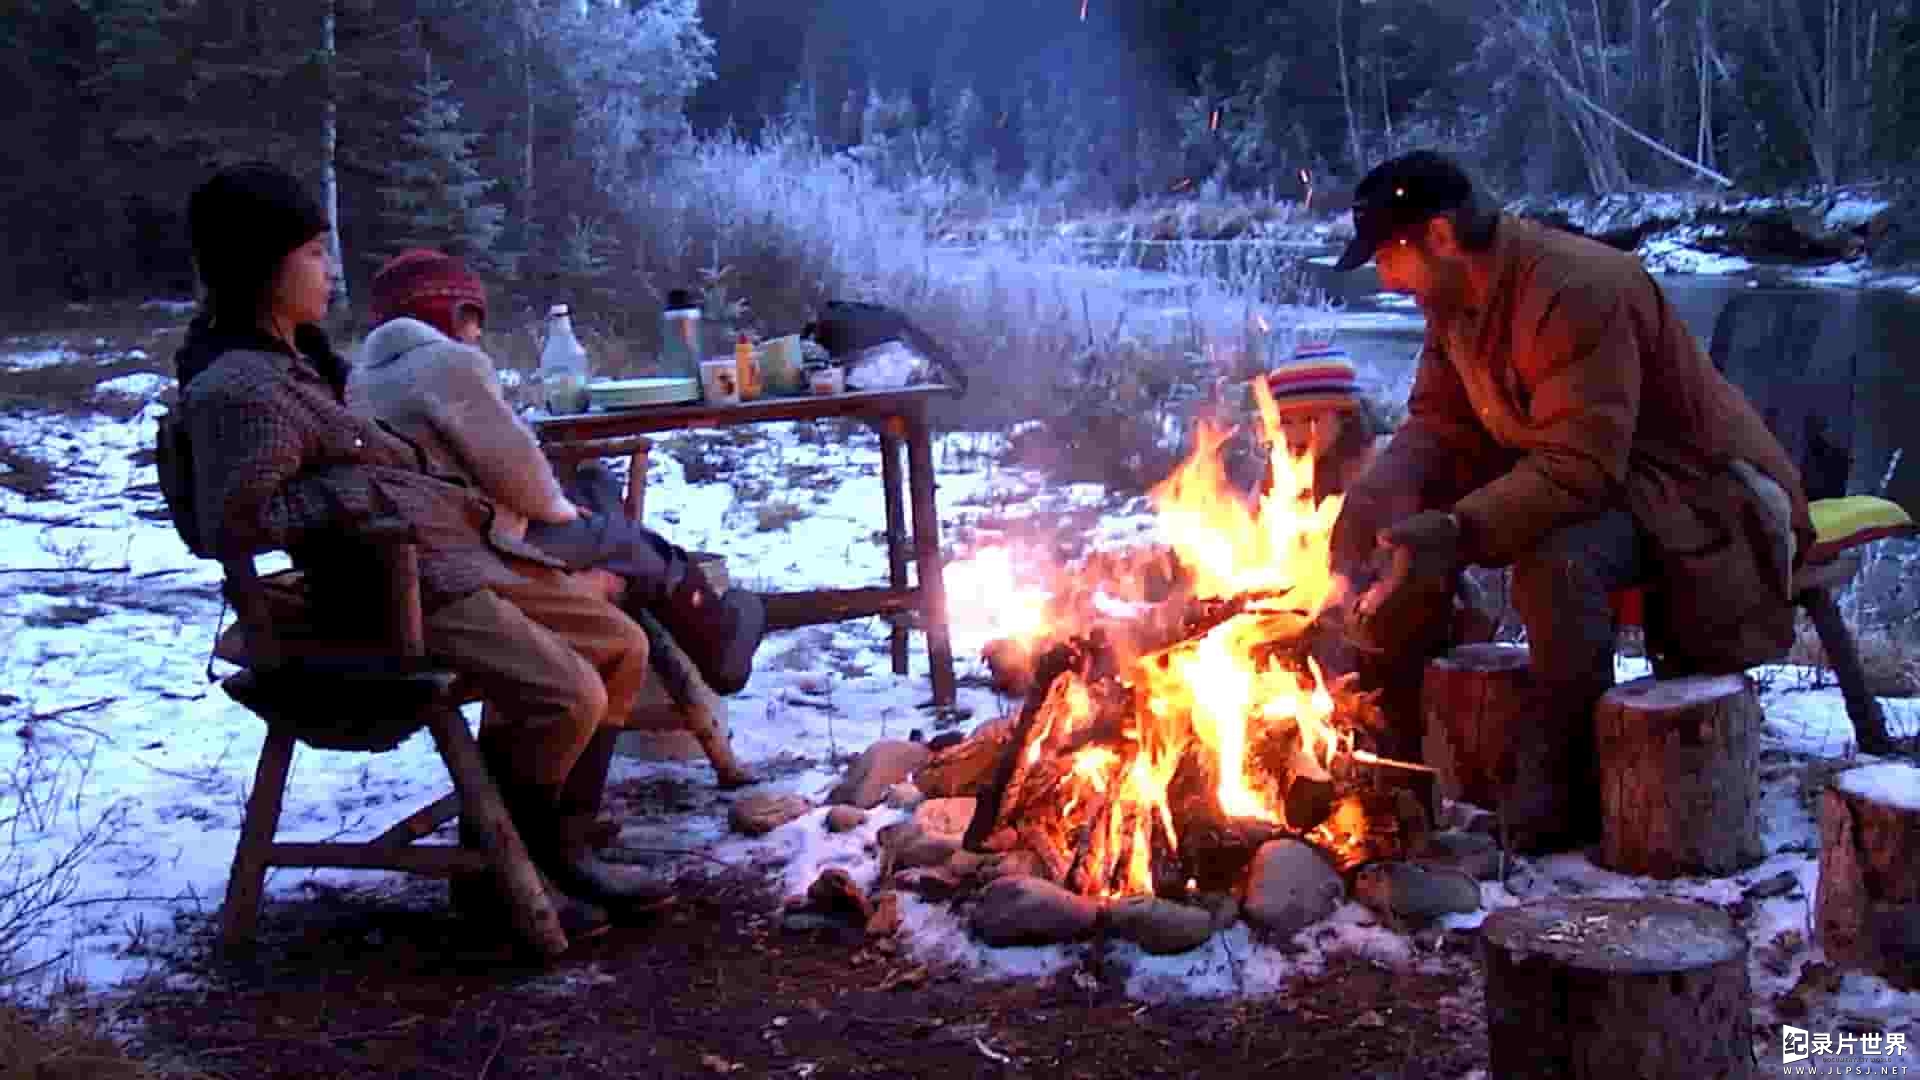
125,770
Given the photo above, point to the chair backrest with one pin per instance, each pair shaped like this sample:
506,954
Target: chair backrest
1779,347
173,460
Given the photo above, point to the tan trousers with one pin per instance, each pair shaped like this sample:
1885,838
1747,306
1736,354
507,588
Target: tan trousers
554,659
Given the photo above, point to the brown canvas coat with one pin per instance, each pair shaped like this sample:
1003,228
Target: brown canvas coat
1578,389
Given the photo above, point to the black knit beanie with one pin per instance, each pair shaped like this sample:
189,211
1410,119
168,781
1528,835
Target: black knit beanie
243,221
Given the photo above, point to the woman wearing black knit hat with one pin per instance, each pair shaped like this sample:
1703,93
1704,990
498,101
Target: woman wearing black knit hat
280,463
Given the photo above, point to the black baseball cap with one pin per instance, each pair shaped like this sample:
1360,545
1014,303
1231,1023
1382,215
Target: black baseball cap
1399,194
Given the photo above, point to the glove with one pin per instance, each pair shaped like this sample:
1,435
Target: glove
1425,553
1432,541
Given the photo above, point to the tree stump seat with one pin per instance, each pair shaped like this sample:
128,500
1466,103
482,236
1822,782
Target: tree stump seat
1867,910
1679,768
1472,700
1640,989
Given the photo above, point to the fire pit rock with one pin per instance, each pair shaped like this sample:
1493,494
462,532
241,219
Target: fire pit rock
1029,911
946,816
1414,895
845,819
757,815
882,765
1471,853
1290,887
1161,927
912,847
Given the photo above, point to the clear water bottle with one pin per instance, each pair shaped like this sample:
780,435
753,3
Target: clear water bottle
563,365
680,337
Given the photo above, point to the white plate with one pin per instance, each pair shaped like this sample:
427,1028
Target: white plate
633,393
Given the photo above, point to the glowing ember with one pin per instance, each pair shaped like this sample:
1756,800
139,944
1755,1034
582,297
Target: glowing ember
1213,121
1083,10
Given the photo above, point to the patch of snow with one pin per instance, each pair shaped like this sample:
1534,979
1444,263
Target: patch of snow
1850,210
1889,783
141,385
1838,275
38,358
171,307
1673,253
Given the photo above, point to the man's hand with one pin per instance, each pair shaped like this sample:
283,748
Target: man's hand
1431,539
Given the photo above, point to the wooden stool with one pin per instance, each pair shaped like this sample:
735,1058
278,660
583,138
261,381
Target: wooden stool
1680,776
1646,989
1867,912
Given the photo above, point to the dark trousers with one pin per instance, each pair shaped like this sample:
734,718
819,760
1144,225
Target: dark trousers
1560,590
606,538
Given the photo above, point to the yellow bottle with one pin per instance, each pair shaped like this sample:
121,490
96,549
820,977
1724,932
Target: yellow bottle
747,368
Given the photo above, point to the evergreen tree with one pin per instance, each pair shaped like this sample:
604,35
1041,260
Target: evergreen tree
435,194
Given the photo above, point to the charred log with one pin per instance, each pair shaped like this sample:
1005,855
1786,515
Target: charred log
1055,662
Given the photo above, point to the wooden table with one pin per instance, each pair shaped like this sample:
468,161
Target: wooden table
900,416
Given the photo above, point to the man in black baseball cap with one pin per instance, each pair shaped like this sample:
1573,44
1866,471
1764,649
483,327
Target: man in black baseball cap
1564,422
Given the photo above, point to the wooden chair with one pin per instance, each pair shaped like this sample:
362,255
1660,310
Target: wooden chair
363,693
366,697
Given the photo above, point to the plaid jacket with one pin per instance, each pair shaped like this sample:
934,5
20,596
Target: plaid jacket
280,463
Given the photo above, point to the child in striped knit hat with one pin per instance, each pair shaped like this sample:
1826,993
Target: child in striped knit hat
1322,413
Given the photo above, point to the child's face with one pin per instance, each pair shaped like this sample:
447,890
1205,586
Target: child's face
1311,432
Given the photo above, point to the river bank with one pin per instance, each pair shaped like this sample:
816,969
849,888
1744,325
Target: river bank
1852,237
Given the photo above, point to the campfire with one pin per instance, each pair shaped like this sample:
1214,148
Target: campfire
1174,715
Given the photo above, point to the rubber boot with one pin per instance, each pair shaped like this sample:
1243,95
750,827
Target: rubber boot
476,895
718,631
559,826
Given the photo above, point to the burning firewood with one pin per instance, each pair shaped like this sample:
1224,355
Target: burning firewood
1183,705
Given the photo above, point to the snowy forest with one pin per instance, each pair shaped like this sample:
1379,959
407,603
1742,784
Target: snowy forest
542,136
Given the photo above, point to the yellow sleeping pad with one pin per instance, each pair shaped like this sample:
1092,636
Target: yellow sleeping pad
1839,524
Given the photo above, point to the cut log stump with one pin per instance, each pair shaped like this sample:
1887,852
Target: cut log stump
1642,989
1868,904
1680,776
1471,701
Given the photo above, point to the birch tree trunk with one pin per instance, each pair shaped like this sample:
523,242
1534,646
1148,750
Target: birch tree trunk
1346,87
329,143
527,16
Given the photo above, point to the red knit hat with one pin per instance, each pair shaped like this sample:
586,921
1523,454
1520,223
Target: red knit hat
428,285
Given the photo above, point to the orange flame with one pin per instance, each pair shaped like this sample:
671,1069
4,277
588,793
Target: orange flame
1220,693
1278,547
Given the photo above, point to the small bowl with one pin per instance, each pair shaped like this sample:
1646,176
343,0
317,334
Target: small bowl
823,382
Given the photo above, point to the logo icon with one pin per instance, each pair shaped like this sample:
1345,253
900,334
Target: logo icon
1794,1044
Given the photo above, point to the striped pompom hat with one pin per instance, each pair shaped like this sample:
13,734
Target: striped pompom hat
1319,376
